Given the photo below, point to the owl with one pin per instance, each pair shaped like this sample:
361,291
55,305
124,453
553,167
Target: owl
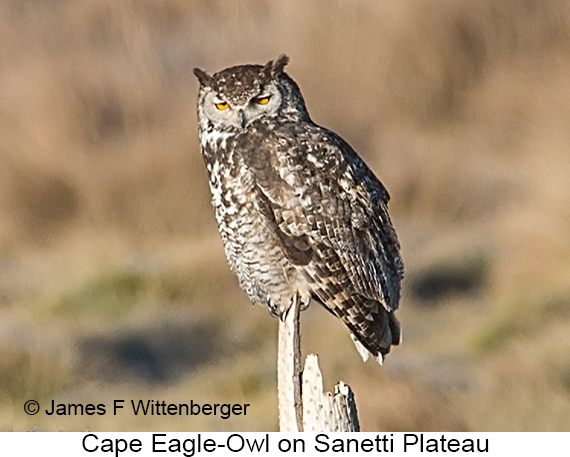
301,216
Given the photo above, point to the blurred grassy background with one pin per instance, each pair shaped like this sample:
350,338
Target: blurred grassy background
113,282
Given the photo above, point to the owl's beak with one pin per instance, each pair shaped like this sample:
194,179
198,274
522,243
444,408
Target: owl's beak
242,119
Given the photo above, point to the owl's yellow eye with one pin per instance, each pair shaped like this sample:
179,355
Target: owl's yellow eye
222,106
262,100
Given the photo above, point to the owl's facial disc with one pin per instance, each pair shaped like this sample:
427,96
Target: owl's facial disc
239,113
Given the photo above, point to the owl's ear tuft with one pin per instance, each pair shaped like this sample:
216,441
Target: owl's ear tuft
204,77
275,67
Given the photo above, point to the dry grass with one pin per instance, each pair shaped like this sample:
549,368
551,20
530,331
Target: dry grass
113,282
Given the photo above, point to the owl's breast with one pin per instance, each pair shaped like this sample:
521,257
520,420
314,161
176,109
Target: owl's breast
250,242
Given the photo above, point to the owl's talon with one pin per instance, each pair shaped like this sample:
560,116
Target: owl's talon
283,314
272,309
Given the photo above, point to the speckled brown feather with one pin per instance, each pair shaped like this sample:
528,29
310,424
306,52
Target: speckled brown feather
335,203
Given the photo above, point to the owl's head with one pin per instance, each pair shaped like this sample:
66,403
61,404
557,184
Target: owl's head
234,98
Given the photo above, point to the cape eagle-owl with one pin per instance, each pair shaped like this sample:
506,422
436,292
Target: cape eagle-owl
300,214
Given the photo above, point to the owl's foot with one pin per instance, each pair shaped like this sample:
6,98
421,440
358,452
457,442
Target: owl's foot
283,313
278,311
300,301
274,310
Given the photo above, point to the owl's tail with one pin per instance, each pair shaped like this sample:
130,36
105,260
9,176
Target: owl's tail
373,328
375,337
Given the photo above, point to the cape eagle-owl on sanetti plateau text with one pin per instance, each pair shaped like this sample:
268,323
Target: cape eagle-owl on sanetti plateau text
301,216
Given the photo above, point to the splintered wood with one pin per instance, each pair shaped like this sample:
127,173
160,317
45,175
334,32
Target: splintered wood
303,405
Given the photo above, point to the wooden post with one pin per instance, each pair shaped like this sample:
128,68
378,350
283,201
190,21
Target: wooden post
303,405
289,372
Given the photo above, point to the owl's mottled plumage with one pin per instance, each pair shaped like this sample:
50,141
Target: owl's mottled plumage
300,214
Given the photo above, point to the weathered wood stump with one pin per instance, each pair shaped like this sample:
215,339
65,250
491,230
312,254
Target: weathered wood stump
303,405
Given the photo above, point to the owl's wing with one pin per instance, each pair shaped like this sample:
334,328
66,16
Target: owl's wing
330,213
